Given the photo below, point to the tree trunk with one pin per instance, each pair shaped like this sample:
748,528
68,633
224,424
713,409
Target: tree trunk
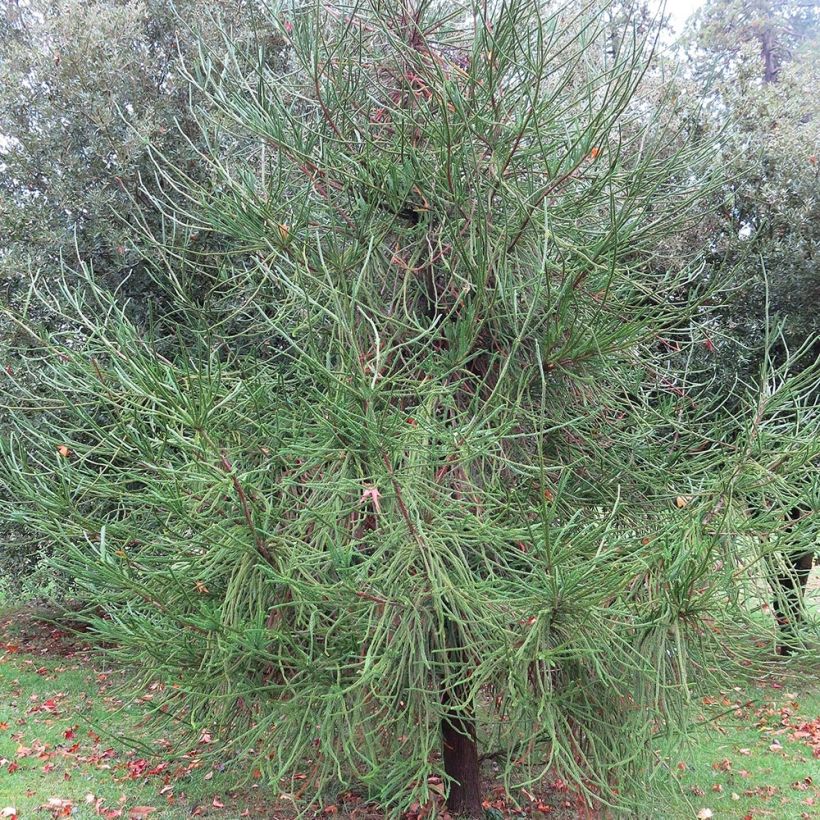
461,765
770,67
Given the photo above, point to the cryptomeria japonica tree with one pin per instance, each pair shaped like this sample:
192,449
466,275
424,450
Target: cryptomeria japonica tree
455,498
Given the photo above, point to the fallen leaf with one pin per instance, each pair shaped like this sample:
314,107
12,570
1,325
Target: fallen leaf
140,812
705,814
58,807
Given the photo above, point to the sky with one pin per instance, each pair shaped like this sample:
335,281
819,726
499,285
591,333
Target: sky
680,10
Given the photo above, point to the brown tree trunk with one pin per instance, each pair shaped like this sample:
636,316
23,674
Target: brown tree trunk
460,751
770,66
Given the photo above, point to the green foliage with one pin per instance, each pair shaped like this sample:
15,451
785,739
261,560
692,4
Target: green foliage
429,468
85,86
757,65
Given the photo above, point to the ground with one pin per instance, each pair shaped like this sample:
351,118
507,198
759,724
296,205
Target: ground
70,747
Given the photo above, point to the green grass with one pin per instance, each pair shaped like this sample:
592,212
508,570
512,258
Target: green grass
64,734
752,761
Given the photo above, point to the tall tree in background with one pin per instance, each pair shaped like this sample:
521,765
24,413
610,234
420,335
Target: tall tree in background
758,65
465,502
84,87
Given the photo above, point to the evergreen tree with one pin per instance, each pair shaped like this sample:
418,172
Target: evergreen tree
439,490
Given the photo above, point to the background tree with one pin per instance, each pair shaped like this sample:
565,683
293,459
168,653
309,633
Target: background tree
756,64
464,502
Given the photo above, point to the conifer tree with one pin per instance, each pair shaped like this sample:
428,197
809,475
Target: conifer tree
450,501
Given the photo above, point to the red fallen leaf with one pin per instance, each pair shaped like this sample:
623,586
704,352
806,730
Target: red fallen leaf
68,734
140,812
13,767
136,768
49,767
198,810
3,725
217,803
110,814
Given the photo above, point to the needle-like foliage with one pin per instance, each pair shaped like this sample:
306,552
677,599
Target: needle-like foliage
429,483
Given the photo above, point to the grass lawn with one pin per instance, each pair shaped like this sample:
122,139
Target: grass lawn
63,747
65,751
761,758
